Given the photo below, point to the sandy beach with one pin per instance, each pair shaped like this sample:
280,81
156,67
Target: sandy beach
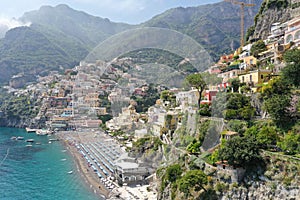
69,139
82,168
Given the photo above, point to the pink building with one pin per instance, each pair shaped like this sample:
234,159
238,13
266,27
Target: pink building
292,34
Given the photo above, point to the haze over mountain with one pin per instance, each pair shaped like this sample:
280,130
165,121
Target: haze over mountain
59,37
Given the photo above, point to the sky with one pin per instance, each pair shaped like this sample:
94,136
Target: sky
129,11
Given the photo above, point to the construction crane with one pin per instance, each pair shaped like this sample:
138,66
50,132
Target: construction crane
243,5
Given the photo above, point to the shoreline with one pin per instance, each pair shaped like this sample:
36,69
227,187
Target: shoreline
92,181
83,170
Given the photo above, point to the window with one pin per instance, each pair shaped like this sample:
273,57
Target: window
251,78
289,39
297,35
262,76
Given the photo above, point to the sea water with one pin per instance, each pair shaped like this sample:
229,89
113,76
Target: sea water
39,171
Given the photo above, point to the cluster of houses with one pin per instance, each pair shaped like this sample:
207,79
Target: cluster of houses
256,70
72,102
251,70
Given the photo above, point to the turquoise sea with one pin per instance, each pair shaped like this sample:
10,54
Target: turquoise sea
39,172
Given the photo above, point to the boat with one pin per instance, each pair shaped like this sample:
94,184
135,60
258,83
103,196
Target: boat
43,132
38,143
29,145
70,172
13,138
53,139
30,130
30,140
20,138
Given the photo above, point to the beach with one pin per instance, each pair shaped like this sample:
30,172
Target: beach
82,168
72,139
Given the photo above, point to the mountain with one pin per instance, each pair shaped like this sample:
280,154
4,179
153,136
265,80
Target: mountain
58,38
215,26
85,28
26,50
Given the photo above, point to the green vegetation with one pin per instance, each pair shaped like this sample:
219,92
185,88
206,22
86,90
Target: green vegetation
258,47
194,147
291,143
250,32
278,101
238,126
240,151
233,106
17,108
105,118
143,144
197,81
235,84
169,96
159,56
277,3
193,179
143,102
291,73
205,110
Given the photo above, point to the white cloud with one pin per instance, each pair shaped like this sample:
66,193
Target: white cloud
7,24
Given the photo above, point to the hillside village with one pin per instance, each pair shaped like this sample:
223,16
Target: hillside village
161,137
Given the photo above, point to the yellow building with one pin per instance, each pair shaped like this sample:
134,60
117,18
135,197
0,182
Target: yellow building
250,60
253,78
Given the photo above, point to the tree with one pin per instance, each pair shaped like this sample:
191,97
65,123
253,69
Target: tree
235,84
291,72
277,106
277,101
173,172
276,86
240,151
237,126
205,110
194,147
267,136
258,47
192,179
238,106
291,143
197,81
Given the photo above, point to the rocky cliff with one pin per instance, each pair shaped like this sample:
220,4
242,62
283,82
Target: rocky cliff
15,122
262,191
271,11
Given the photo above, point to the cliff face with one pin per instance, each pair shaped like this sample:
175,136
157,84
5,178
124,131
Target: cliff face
271,12
262,191
15,122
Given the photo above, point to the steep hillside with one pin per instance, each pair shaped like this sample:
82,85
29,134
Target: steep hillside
58,38
215,26
270,12
26,50
62,36
87,29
